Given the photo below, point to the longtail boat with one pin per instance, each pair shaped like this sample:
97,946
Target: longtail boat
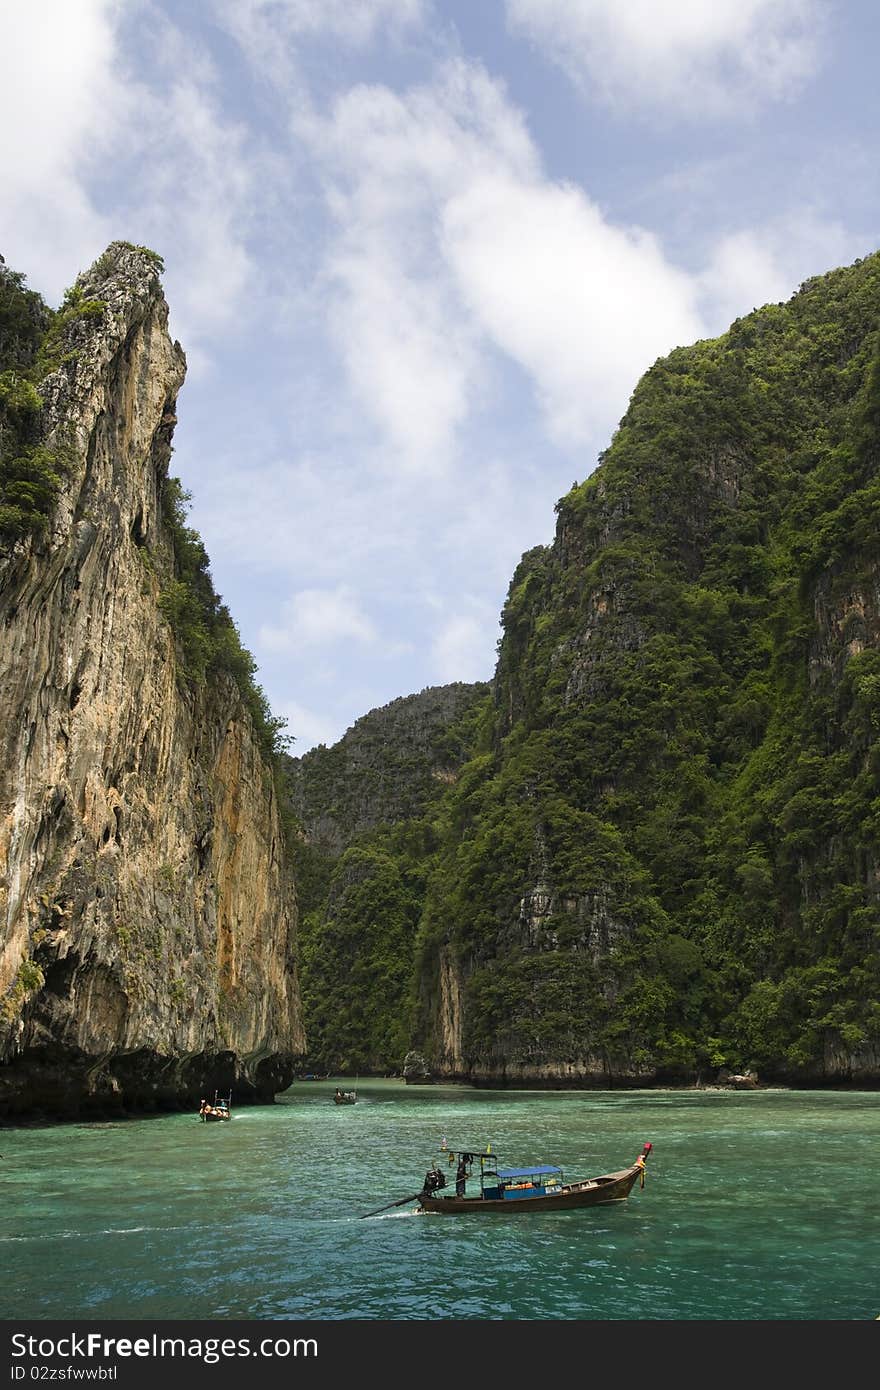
508,1190
345,1097
218,1110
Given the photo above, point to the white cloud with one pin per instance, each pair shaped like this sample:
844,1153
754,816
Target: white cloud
318,617
410,356
356,23
272,32
582,305
307,726
195,202
690,57
766,264
453,246
463,649
60,97
333,517
413,353
108,146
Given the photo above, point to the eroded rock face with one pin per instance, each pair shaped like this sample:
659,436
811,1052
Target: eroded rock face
415,1069
146,920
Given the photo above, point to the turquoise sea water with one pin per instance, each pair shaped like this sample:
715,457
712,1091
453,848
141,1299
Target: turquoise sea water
757,1205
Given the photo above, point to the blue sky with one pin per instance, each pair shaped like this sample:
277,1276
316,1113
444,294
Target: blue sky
418,253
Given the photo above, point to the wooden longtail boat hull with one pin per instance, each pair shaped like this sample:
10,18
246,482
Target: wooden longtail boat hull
592,1192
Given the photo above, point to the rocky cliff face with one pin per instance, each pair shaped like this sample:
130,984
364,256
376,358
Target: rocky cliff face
146,918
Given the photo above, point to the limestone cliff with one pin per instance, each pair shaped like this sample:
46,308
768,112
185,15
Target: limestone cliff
146,918
665,862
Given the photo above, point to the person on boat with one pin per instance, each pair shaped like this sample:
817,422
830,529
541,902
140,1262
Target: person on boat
338,1093
461,1173
434,1179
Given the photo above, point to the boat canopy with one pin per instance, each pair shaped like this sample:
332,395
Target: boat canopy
505,1173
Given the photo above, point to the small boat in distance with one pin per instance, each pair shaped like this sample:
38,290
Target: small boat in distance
345,1097
508,1190
216,1110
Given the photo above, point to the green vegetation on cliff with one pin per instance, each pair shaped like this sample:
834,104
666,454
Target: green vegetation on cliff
366,812
660,855
356,963
691,765
207,638
30,474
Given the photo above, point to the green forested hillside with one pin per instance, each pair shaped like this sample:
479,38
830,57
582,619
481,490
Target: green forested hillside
366,811
664,858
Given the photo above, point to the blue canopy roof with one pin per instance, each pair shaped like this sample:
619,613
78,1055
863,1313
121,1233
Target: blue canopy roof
526,1172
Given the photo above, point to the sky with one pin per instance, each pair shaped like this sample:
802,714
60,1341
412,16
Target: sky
418,254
